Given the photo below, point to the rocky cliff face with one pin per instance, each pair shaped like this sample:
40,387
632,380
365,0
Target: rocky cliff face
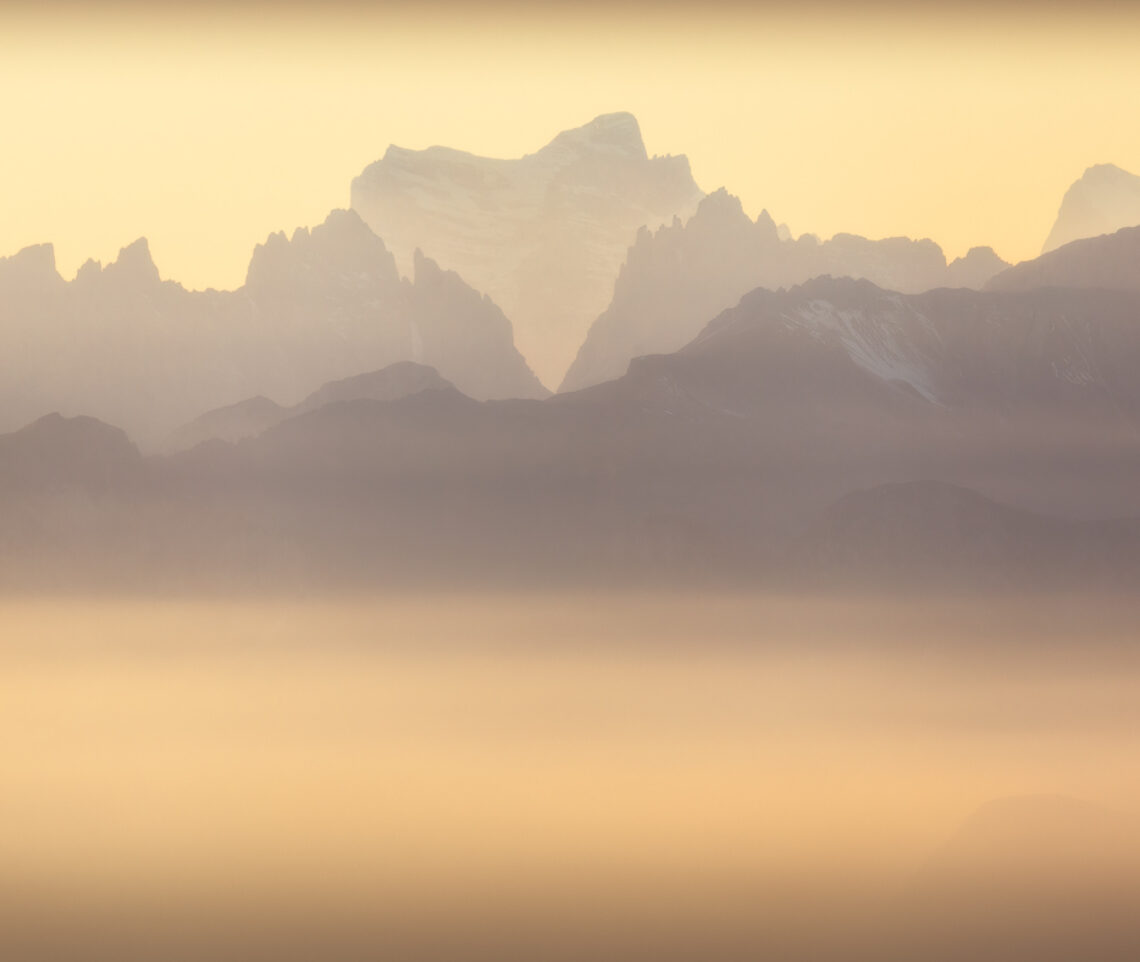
543,235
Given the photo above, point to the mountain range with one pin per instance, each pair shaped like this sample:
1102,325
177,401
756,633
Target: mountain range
736,458
751,407
121,344
678,278
599,252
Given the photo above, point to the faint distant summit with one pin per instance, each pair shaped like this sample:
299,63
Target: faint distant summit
340,252
618,133
1104,200
134,267
134,264
544,235
29,272
56,452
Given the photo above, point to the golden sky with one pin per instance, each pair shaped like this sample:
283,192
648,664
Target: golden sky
205,127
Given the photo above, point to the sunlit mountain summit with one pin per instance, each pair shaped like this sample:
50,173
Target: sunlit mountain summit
543,235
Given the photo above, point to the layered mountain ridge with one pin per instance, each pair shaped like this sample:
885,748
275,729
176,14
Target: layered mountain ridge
751,408
251,417
716,462
678,278
1110,261
120,344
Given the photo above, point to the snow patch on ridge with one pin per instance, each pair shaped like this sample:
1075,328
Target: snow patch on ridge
877,345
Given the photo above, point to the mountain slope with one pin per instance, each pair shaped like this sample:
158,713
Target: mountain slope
544,235
250,418
1110,261
56,452
231,423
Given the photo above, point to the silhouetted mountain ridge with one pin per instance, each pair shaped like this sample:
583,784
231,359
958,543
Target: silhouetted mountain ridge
943,534
715,463
676,280
250,418
55,452
1110,261
121,344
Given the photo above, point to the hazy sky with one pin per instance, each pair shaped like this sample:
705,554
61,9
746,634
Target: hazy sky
204,126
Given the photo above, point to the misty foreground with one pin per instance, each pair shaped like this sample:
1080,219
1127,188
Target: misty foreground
570,776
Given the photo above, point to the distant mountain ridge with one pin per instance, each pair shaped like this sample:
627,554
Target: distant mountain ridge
1019,412
543,235
934,533
123,345
250,418
55,452
1111,261
677,279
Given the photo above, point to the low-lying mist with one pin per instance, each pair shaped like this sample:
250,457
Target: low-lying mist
577,775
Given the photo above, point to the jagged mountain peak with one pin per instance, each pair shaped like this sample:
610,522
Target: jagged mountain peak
1106,173
32,268
678,278
135,254
719,200
134,265
347,223
424,268
722,213
979,253
543,235
342,247
975,268
88,271
39,258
